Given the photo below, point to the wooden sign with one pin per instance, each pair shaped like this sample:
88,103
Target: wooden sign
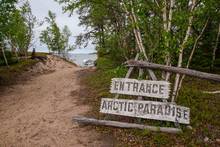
146,109
156,89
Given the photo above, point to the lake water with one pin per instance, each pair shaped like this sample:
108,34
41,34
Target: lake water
79,58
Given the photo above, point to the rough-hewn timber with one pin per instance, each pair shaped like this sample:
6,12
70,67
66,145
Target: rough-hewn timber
184,71
85,120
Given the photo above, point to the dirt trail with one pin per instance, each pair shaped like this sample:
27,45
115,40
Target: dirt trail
39,112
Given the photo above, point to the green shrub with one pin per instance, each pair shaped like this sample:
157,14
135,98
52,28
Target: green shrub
105,63
10,58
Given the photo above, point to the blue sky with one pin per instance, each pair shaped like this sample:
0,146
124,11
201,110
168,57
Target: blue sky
40,9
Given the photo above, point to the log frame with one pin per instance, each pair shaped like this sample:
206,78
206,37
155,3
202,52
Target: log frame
184,71
92,121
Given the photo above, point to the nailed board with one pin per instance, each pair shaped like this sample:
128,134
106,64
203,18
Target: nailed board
156,89
146,109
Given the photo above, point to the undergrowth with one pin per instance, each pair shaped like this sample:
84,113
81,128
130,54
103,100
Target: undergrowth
204,109
8,74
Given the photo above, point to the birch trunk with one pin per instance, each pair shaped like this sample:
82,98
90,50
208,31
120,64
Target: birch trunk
138,37
215,48
16,54
172,3
167,22
141,72
137,32
182,47
164,16
164,10
14,50
26,54
6,61
192,53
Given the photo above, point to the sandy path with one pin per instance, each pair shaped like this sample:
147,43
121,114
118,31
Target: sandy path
39,112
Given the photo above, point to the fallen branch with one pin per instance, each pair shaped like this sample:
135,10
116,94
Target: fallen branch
85,120
184,71
211,92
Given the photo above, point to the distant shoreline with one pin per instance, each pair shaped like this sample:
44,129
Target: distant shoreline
79,59
69,53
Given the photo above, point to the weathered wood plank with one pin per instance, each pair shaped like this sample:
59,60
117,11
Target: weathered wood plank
156,89
92,121
189,72
146,109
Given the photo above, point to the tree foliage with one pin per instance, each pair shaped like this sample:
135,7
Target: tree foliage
53,37
16,27
172,32
6,9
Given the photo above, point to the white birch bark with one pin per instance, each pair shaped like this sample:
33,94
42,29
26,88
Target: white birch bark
141,72
16,54
167,22
138,37
172,3
215,48
182,47
164,16
164,10
192,53
6,61
137,32
14,50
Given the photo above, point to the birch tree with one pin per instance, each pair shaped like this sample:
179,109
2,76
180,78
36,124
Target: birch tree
55,38
6,9
167,23
215,48
137,34
30,22
182,47
163,31
192,53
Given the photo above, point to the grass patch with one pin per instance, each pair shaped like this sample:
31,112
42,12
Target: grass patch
8,75
205,110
